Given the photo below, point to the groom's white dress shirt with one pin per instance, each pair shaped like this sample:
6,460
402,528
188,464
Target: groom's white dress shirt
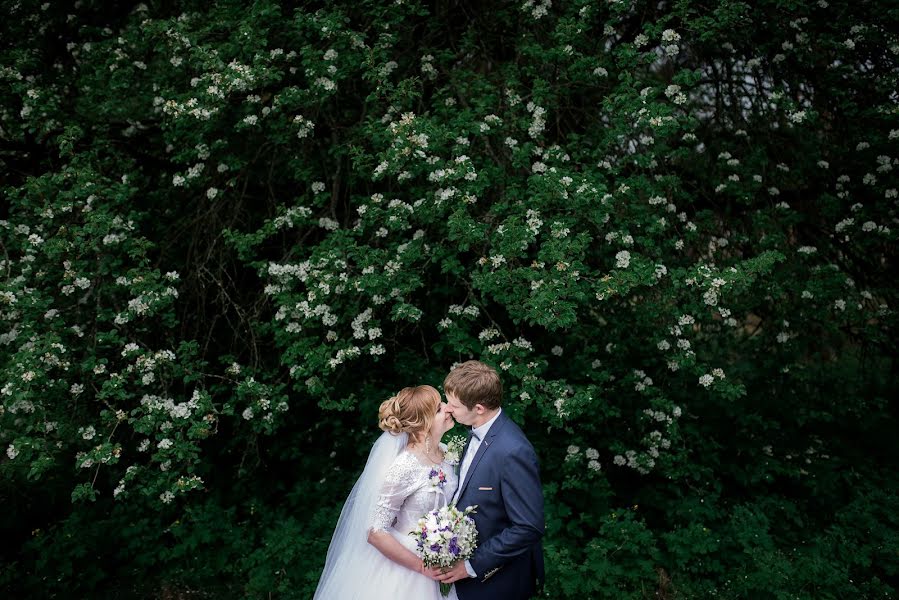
477,436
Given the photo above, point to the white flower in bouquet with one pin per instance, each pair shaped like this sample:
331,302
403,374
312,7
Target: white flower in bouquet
444,537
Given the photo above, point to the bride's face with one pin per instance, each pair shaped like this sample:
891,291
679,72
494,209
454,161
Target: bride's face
443,422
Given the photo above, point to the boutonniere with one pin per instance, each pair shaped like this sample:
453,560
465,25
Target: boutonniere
453,451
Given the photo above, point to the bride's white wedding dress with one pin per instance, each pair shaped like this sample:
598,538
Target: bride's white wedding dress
406,497
394,491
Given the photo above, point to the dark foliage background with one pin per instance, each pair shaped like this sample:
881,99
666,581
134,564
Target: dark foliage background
229,231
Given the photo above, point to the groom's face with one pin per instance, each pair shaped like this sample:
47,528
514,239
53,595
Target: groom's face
461,413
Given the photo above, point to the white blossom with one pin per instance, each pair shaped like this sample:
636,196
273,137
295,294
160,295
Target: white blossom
326,84
328,224
669,35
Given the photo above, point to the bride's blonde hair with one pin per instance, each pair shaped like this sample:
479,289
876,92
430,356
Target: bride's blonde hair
412,410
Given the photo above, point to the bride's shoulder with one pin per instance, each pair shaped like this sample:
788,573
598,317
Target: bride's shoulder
405,468
404,460
405,454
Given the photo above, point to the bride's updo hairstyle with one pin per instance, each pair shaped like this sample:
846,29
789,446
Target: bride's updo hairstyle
410,411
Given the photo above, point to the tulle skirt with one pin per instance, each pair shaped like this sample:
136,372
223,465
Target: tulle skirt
382,579
399,583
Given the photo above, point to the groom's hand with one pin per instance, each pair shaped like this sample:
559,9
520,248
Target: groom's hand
453,574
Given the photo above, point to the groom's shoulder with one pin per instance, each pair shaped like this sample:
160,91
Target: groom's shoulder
515,437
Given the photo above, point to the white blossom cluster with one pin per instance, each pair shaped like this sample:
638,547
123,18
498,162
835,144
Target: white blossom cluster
457,310
144,303
261,406
591,455
563,396
644,461
537,8
670,39
304,126
674,93
292,217
344,354
642,381
145,364
167,408
538,120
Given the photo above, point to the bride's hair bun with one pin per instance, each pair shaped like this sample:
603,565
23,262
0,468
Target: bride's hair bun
410,411
388,416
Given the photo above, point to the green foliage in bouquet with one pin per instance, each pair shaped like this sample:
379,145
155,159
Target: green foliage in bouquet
229,231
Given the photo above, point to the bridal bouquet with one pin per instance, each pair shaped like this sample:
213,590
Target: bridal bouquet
446,536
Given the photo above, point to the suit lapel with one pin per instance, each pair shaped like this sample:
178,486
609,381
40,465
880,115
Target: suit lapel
482,450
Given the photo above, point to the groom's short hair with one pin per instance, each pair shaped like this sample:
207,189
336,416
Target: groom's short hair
473,383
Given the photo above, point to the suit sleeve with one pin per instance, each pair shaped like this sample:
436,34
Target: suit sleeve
522,497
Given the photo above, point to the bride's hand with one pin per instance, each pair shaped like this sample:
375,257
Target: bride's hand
430,572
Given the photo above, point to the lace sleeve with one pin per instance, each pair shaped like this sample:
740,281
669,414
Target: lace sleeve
401,481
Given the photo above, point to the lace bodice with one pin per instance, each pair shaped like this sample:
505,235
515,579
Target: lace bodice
410,489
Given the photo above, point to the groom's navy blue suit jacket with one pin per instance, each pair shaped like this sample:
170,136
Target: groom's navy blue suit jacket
504,481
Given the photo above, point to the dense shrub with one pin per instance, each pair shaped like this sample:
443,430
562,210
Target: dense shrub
230,231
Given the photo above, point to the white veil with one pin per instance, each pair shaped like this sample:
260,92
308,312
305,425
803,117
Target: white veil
352,562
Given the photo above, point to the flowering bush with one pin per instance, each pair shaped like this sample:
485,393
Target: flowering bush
229,233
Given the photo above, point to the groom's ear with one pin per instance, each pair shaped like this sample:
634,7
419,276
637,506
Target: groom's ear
479,408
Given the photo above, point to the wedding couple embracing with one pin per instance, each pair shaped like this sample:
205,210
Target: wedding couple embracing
375,551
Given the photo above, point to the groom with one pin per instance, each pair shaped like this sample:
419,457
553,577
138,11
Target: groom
498,473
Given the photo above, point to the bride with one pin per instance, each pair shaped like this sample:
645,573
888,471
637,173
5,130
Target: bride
372,556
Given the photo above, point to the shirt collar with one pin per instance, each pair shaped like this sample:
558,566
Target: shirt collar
480,432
